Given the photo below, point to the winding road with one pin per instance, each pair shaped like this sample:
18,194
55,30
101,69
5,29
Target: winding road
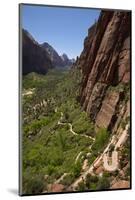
74,133
109,163
71,128
109,167
114,159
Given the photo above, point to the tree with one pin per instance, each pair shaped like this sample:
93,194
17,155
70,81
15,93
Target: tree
91,180
102,137
103,183
81,186
34,184
66,116
77,169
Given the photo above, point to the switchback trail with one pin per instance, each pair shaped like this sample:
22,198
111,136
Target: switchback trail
105,158
71,128
74,133
114,159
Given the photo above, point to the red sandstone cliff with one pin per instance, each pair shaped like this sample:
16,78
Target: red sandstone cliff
105,66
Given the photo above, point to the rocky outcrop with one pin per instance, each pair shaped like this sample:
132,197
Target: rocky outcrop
66,60
121,184
40,57
57,60
56,187
34,57
105,66
107,110
54,56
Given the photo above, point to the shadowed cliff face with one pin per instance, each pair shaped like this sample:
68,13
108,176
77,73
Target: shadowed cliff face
35,58
105,65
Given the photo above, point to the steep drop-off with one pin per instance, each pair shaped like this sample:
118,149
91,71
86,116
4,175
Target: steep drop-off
66,149
105,66
105,93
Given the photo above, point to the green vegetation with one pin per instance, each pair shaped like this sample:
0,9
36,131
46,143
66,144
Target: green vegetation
125,160
125,122
48,148
123,89
81,186
68,179
77,169
104,183
120,87
82,124
101,139
33,184
94,183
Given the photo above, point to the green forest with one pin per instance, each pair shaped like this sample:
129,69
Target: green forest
49,148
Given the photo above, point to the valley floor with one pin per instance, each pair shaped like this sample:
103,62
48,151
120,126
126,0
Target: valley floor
61,149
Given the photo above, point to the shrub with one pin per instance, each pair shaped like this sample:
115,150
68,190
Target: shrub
91,181
103,183
50,169
34,184
62,141
102,137
68,179
36,125
77,169
55,157
92,158
81,186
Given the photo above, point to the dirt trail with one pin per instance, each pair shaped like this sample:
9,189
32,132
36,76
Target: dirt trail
71,128
114,161
105,158
74,133
77,157
61,178
28,92
114,164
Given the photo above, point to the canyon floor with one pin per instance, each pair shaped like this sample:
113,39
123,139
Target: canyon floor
62,149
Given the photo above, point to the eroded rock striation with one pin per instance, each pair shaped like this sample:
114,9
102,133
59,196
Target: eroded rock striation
105,66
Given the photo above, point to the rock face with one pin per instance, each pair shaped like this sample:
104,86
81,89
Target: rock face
121,184
66,60
108,108
57,60
54,56
39,58
105,66
56,187
34,57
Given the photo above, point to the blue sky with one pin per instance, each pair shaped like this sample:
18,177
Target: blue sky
63,28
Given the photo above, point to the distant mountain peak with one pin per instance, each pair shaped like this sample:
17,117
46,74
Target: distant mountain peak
35,58
30,37
57,60
40,57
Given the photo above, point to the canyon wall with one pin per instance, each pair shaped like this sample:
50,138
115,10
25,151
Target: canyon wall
105,66
34,57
